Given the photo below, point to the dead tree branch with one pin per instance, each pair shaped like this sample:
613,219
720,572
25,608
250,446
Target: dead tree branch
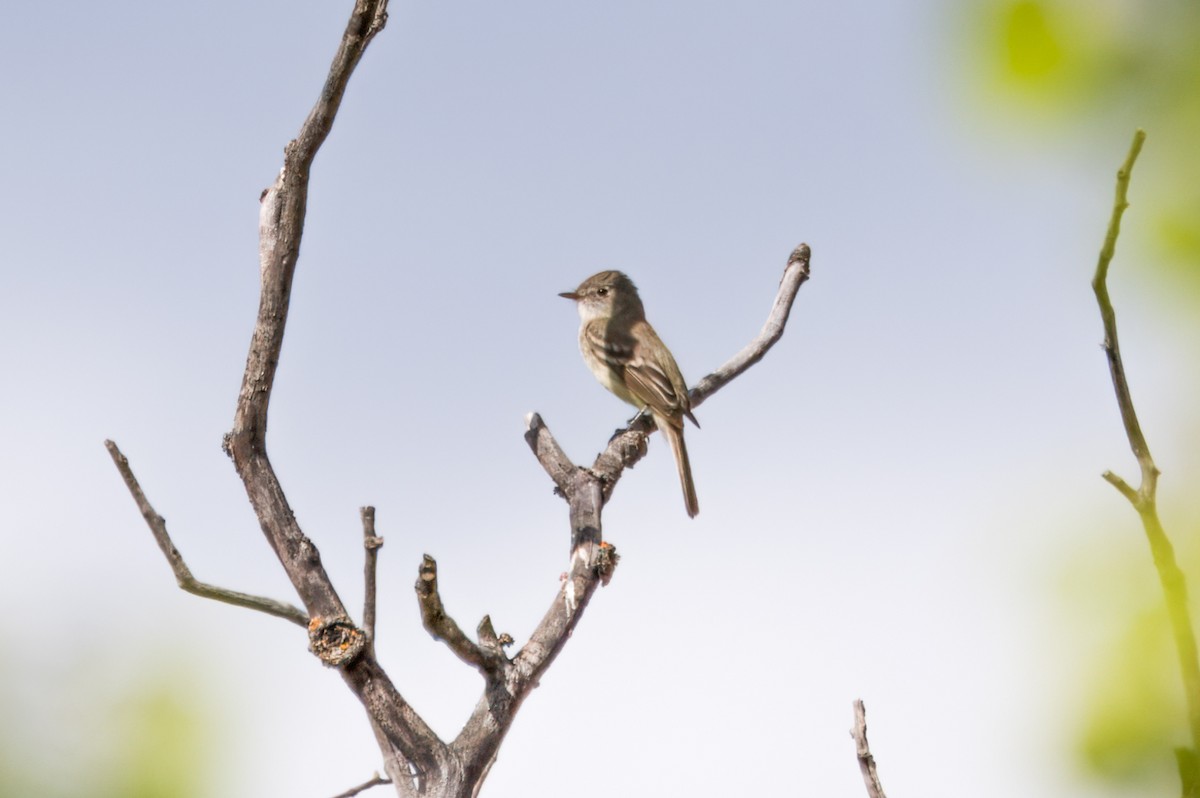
183,574
281,227
1144,498
794,275
415,759
444,628
866,761
371,545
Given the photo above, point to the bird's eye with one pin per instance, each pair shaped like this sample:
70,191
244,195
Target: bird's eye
601,292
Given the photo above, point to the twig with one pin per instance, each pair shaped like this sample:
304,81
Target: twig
374,781
183,574
442,627
866,761
1144,499
1112,348
794,275
372,544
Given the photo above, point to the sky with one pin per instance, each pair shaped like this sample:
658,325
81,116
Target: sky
888,499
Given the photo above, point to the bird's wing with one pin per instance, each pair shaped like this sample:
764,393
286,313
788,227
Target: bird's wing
615,352
657,380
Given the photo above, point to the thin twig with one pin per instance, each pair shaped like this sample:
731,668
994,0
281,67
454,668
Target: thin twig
372,544
1144,499
866,761
183,574
374,781
1112,348
795,274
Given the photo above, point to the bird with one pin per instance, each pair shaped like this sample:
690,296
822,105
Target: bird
628,358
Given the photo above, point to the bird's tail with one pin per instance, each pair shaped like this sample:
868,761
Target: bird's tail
674,435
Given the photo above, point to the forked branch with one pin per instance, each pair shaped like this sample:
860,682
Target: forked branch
1144,497
439,624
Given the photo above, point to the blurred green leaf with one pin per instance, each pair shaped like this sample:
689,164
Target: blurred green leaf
163,743
1034,49
1132,717
97,729
1105,67
1136,715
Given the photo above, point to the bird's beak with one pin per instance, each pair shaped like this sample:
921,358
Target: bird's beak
569,295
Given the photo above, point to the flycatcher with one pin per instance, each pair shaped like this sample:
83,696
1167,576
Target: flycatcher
628,358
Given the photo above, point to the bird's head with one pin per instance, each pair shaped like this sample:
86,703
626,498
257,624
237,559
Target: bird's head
605,295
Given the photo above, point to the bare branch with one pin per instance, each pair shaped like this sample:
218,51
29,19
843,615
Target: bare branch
372,544
591,564
1144,499
794,275
183,575
374,781
281,228
489,661
281,222
549,453
588,568
411,750
866,761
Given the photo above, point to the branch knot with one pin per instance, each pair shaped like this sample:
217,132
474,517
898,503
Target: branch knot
337,642
606,561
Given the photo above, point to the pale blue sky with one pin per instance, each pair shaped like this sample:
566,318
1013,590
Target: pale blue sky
893,486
